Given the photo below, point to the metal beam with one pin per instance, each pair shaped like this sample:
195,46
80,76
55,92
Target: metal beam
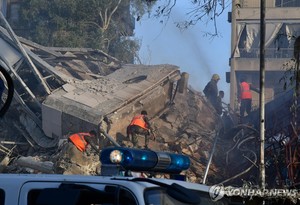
262,93
22,50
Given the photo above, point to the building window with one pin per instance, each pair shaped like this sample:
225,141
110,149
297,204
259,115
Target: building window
287,3
280,38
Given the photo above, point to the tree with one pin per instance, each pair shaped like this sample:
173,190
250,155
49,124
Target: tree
90,23
201,10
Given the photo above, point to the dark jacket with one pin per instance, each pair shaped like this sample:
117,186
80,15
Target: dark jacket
211,92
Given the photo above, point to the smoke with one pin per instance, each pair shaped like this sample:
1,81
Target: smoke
190,49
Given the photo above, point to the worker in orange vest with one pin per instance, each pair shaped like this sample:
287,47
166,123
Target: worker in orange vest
139,125
244,97
76,154
82,140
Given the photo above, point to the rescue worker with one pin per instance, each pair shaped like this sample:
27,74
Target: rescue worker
76,153
139,125
219,107
244,97
104,128
211,90
82,140
105,125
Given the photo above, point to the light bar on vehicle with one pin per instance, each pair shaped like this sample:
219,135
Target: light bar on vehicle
144,160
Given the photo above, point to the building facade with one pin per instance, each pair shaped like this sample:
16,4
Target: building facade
282,19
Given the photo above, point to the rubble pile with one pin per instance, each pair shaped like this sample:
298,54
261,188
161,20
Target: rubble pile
186,126
68,90
59,91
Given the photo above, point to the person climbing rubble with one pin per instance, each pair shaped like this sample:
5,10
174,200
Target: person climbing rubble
75,155
103,128
139,125
105,125
245,96
211,90
219,106
82,140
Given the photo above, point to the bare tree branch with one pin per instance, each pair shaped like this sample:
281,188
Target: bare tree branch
106,18
206,11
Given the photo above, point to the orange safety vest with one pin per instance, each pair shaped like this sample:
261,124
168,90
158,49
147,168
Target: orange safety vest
139,121
78,140
245,91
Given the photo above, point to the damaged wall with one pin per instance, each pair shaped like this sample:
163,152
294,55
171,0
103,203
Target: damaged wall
80,105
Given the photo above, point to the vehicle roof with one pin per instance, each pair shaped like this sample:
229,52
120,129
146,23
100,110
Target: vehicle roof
24,178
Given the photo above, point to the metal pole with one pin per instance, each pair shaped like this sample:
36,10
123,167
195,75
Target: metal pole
262,93
110,138
210,158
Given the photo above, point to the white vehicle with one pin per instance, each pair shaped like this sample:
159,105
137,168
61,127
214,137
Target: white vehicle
74,189
45,189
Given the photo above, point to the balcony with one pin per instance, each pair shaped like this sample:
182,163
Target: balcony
269,53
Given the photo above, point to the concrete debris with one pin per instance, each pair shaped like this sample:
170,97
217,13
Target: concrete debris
69,160
176,126
37,133
34,164
4,163
82,86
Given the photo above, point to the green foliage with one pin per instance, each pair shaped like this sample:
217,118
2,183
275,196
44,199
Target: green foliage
99,24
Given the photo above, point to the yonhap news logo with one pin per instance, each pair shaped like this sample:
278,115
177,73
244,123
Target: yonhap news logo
217,192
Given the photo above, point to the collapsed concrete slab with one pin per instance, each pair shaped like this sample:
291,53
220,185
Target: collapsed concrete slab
85,85
80,105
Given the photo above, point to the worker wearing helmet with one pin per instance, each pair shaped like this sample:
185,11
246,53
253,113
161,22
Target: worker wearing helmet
139,125
211,90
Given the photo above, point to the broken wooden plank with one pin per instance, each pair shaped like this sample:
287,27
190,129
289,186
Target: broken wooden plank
5,148
84,50
61,76
38,46
12,142
3,151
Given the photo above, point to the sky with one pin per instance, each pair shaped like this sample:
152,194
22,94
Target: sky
191,50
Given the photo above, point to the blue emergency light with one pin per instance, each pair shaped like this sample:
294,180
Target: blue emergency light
144,160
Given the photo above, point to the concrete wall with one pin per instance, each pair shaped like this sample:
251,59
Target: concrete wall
276,13
120,96
153,102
